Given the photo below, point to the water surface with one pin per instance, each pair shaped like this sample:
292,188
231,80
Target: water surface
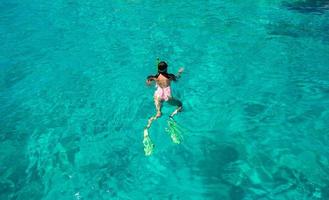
73,99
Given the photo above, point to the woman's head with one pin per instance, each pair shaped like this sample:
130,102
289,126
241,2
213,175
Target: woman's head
162,67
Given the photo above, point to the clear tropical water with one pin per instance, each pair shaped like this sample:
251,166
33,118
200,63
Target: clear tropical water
73,99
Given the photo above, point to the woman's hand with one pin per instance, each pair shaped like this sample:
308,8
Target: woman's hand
179,72
149,81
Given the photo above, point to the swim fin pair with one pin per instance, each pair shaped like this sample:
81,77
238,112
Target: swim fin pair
174,131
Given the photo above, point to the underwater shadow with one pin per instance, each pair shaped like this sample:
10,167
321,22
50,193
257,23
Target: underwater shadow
213,169
284,28
308,6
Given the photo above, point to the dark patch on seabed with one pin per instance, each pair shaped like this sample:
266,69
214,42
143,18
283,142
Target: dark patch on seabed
11,74
308,6
299,30
219,172
253,109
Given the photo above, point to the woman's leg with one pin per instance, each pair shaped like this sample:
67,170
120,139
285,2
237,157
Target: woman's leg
157,103
175,102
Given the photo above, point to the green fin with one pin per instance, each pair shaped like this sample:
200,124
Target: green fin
174,131
148,146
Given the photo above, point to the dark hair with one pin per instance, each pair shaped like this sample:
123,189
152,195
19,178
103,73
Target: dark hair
162,66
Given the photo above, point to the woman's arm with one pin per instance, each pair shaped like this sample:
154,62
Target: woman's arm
174,77
180,71
149,79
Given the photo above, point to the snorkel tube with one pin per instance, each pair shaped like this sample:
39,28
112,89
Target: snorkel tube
157,63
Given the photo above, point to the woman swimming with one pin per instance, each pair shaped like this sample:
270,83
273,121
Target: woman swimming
163,91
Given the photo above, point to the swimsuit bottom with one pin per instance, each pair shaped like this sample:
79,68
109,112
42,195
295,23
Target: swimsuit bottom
163,93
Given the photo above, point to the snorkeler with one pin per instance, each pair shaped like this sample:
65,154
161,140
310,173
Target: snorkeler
162,93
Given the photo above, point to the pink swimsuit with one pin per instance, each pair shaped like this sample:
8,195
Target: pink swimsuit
162,93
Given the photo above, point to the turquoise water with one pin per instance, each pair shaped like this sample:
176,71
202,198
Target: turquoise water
73,99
